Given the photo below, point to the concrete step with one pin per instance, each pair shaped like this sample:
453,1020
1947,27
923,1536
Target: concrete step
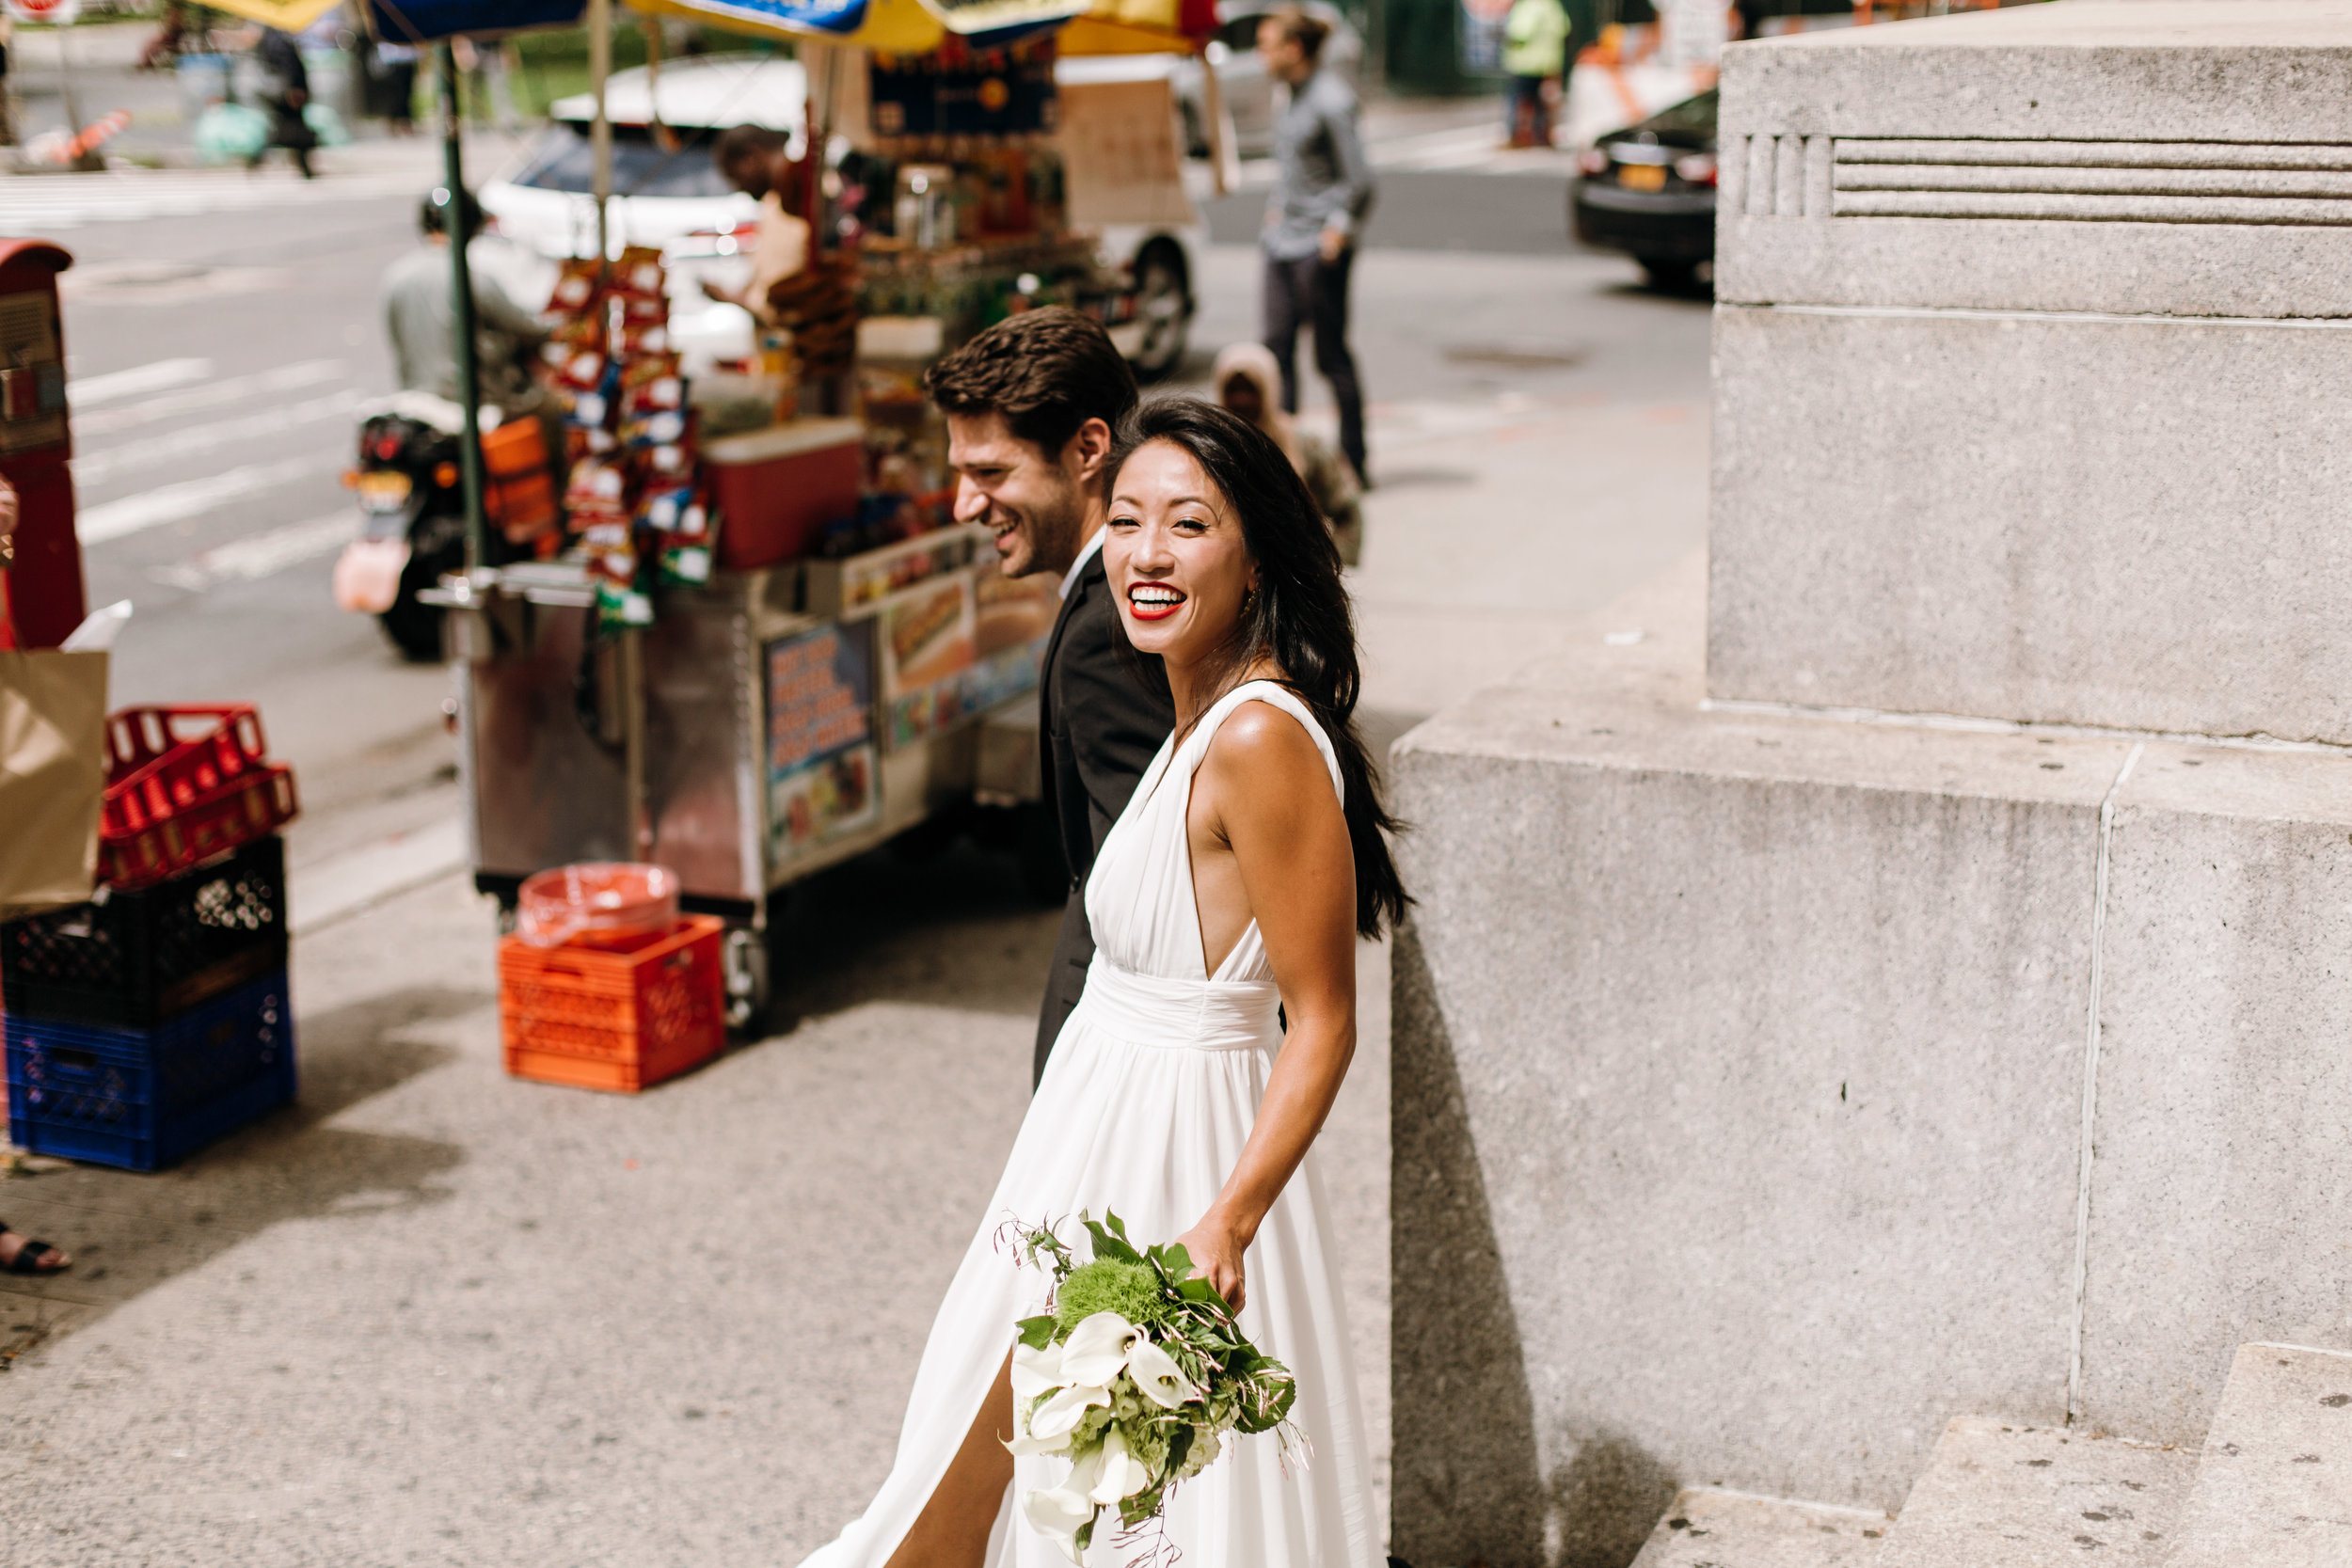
1711,1527
1997,1494
2275,1485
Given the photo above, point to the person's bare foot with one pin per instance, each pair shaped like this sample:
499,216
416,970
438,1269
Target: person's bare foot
22,1255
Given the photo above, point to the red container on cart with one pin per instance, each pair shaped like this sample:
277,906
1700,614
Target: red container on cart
608,1017
776,489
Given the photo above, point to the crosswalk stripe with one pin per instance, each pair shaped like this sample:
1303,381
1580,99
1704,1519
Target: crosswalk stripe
60,201
92,391
94,468
260,555
177,504
284,378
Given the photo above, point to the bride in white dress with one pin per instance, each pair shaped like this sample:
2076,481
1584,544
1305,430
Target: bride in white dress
1229,895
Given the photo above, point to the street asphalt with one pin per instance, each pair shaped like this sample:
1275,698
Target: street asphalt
433,1315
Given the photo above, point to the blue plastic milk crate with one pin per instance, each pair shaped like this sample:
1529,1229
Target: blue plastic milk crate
140,1099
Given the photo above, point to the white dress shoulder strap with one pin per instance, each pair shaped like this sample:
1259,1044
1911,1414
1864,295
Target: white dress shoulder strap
1274,694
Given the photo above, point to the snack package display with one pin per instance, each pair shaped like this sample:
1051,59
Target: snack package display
630,435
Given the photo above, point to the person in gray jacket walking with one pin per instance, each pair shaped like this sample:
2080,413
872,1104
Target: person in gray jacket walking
1323,191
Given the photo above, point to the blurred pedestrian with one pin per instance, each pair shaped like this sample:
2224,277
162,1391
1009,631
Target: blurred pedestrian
1248,384
8,89
291,79
418,318
22,1255
1534,53
1030,405
395,69
1322,192
755,160
176,33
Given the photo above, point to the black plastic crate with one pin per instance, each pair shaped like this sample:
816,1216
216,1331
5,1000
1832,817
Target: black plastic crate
140,1099
130,959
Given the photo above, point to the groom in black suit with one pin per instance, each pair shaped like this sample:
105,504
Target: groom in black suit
1031,403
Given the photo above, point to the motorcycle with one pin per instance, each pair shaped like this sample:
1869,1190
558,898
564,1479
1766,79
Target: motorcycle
412,510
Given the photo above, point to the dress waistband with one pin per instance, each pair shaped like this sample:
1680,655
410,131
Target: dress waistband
1181,1015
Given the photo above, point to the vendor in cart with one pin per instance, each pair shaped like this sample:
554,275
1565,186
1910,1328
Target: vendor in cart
757,160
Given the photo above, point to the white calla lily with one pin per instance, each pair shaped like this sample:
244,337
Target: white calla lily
1036,1371
1096,1351
1058,1514
1157,1376
1054,1420
1123,1475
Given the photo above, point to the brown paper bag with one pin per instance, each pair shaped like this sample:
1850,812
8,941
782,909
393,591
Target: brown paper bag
52,775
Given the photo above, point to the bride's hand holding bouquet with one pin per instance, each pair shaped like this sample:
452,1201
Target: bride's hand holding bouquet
1135,1377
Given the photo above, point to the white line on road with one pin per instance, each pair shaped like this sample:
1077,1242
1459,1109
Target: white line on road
70,201
261,555
177,504
95,468
89,392
284,378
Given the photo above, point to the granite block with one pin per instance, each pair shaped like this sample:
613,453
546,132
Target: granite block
2227,71
1739,1071
2275,1484
2121,523
2221,1198
1746,1054
2003,1495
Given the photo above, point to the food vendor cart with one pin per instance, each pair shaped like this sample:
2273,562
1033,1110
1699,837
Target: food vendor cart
784,653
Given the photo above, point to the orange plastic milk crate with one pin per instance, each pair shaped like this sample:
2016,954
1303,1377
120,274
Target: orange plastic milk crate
621,1014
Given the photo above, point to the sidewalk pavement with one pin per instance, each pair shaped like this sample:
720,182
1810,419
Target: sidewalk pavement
432,1315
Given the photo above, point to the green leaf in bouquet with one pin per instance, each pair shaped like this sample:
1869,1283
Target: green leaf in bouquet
1083,1538
1110,1239
1199,1290
1037,1333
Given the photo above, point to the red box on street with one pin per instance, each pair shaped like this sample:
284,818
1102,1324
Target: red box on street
613,1018
776,489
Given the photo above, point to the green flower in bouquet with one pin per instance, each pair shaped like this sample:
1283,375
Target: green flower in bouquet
1135,1377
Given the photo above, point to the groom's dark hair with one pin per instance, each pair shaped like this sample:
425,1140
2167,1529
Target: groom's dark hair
1047,372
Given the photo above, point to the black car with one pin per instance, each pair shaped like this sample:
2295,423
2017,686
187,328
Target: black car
1649,191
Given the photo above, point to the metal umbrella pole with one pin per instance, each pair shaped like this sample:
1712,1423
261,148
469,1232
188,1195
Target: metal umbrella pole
600,127
461,306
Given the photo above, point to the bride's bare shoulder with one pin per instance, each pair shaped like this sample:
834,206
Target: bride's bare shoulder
1265,748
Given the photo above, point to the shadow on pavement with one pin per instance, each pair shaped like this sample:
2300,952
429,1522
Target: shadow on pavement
129,1232
924,921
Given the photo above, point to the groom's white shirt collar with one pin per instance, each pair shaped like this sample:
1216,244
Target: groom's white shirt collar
1093,548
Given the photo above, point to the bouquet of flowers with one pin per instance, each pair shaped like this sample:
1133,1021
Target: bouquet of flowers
1135,1376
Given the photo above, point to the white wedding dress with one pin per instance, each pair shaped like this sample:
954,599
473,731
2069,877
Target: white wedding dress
1144,1109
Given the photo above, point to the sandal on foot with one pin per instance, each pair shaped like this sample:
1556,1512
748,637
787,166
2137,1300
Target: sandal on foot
28,1259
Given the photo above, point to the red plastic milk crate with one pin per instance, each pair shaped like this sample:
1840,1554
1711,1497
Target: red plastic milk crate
613,1018
155,769
183,785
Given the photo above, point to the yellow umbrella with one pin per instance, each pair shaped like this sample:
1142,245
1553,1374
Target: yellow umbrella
287,16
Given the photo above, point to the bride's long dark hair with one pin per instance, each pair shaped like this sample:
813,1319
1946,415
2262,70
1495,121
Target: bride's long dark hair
1299,619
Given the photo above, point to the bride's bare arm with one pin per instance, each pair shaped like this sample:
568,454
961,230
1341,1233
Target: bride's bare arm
1273,805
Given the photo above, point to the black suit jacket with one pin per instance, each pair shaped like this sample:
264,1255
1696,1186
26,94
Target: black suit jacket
1098,729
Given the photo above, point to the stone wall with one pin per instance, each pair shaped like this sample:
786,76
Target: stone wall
1911,981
